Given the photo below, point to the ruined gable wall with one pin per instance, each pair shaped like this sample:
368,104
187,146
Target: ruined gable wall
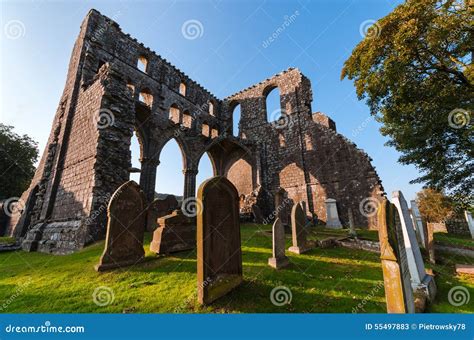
45,175
295,99
83,164
75,186
338,169
303,153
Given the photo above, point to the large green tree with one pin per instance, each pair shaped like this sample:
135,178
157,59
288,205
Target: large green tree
18,155
434,205
414,68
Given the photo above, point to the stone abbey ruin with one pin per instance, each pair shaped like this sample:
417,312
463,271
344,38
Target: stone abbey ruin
115,86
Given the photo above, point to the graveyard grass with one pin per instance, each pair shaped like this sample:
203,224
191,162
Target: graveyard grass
322,280
5,240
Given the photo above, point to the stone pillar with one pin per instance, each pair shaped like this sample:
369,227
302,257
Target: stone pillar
430,246
332,217
148,177
352,231
420,228
189,182
470,222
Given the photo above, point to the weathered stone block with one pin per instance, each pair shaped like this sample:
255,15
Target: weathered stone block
175,232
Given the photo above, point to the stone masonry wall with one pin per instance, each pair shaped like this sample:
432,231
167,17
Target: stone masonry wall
302,153
116,85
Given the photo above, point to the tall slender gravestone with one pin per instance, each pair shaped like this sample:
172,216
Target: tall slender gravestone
352,231
332,217
420,226
257,214
219,256
298,230
421,282
281,207
470,222
396,274
278,260
126,223
430,246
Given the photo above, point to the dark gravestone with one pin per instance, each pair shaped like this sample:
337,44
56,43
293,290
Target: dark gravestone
159,208
257,214
396,274
298,230
175,232
4,218
219,256
281,207
126,222
278,259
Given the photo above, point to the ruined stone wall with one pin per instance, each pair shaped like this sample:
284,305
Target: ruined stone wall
40,197
458,226
302,152
108,96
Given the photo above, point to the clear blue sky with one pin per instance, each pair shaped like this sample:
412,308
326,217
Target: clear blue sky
228,55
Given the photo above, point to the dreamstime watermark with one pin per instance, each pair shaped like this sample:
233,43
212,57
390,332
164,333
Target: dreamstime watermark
103,296
277,210
459,118
361,127
13,205
191,206
280,120
14,29
179,131
103,207
459,296
281,296
101,30
18,291
182,306
104,118
192,29
369,206
46,328
369,29
373,292
287,21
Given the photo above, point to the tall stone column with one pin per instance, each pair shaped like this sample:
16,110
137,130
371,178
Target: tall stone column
189,182
148,177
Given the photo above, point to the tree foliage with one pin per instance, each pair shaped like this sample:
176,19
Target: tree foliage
434,205
414,68
17,157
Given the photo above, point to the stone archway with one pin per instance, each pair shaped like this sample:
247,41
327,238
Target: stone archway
236,161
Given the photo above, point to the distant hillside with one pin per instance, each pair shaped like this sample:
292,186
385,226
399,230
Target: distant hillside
162,196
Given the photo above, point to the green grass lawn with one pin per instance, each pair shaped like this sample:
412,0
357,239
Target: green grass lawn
321,233
454,240
323,280
4,240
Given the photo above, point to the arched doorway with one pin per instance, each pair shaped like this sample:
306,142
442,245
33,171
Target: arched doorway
135,158
205,170
273,104
236,120
169,174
